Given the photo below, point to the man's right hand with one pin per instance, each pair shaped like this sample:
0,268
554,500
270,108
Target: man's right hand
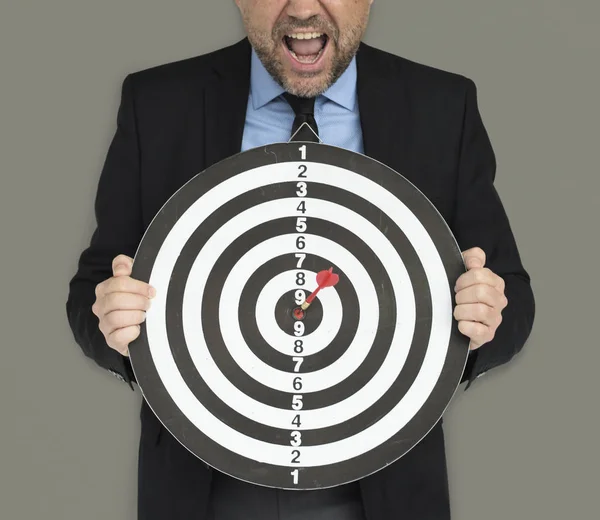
121,305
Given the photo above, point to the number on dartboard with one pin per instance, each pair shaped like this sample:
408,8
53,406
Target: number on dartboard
298,328
303,169
295,475
301,257
295,456
301,224
297,402
298,361
300,279
302,191
302,207
296,439
303,152
299,296
296,421
298,346
301,242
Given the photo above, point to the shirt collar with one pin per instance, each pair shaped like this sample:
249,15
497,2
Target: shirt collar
265,89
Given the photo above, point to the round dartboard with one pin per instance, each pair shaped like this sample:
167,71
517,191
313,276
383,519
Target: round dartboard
302,335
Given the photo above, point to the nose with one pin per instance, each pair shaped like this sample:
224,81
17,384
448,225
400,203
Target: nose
303,9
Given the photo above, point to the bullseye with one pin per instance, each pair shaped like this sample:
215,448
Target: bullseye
302,335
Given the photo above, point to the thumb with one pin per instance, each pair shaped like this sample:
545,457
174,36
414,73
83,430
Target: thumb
474,257
122,265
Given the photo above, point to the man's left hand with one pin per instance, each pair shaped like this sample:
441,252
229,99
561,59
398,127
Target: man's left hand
480,299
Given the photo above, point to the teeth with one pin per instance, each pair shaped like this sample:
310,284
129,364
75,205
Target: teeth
305,36
306,59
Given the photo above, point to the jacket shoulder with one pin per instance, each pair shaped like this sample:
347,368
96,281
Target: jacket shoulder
414,74
188,71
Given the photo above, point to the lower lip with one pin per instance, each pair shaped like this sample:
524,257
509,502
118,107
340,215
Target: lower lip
305,67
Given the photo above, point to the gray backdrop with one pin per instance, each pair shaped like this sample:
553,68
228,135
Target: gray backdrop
521,442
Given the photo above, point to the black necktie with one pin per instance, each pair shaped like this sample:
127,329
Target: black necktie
304,109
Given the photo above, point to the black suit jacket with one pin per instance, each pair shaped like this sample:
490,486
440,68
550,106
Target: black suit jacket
177,119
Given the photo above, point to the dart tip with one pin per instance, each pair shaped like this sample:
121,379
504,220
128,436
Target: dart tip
298,313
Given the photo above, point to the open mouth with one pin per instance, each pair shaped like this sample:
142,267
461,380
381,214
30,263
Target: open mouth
306,47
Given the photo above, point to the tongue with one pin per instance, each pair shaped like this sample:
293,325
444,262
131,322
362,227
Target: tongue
306,47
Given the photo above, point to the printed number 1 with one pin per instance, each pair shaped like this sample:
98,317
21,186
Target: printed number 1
303,152
295,475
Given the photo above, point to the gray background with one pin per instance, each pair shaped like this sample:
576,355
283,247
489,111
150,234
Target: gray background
521,442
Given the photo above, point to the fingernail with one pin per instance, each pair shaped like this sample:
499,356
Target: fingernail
151,292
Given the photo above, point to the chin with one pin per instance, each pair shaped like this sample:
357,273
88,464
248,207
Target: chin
306,91
307,84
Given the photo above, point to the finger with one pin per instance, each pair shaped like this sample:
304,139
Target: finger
126,284
477,332
122,265
122,301
474,257
478,312
122,319
481,294
478,275
121,338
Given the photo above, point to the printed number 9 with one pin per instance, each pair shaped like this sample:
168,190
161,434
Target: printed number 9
298,328
300,296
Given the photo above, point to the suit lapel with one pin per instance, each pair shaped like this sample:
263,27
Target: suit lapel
225,102
383,109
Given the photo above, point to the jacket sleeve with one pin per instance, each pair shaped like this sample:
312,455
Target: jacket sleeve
481,221
118,231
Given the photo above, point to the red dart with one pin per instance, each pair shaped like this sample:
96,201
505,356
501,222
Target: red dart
324,279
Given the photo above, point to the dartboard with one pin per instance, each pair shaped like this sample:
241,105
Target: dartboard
302,335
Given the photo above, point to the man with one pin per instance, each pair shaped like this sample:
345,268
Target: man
303,61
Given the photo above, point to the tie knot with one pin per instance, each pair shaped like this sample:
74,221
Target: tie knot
301,106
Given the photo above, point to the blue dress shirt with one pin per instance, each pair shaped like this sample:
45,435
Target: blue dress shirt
269,117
